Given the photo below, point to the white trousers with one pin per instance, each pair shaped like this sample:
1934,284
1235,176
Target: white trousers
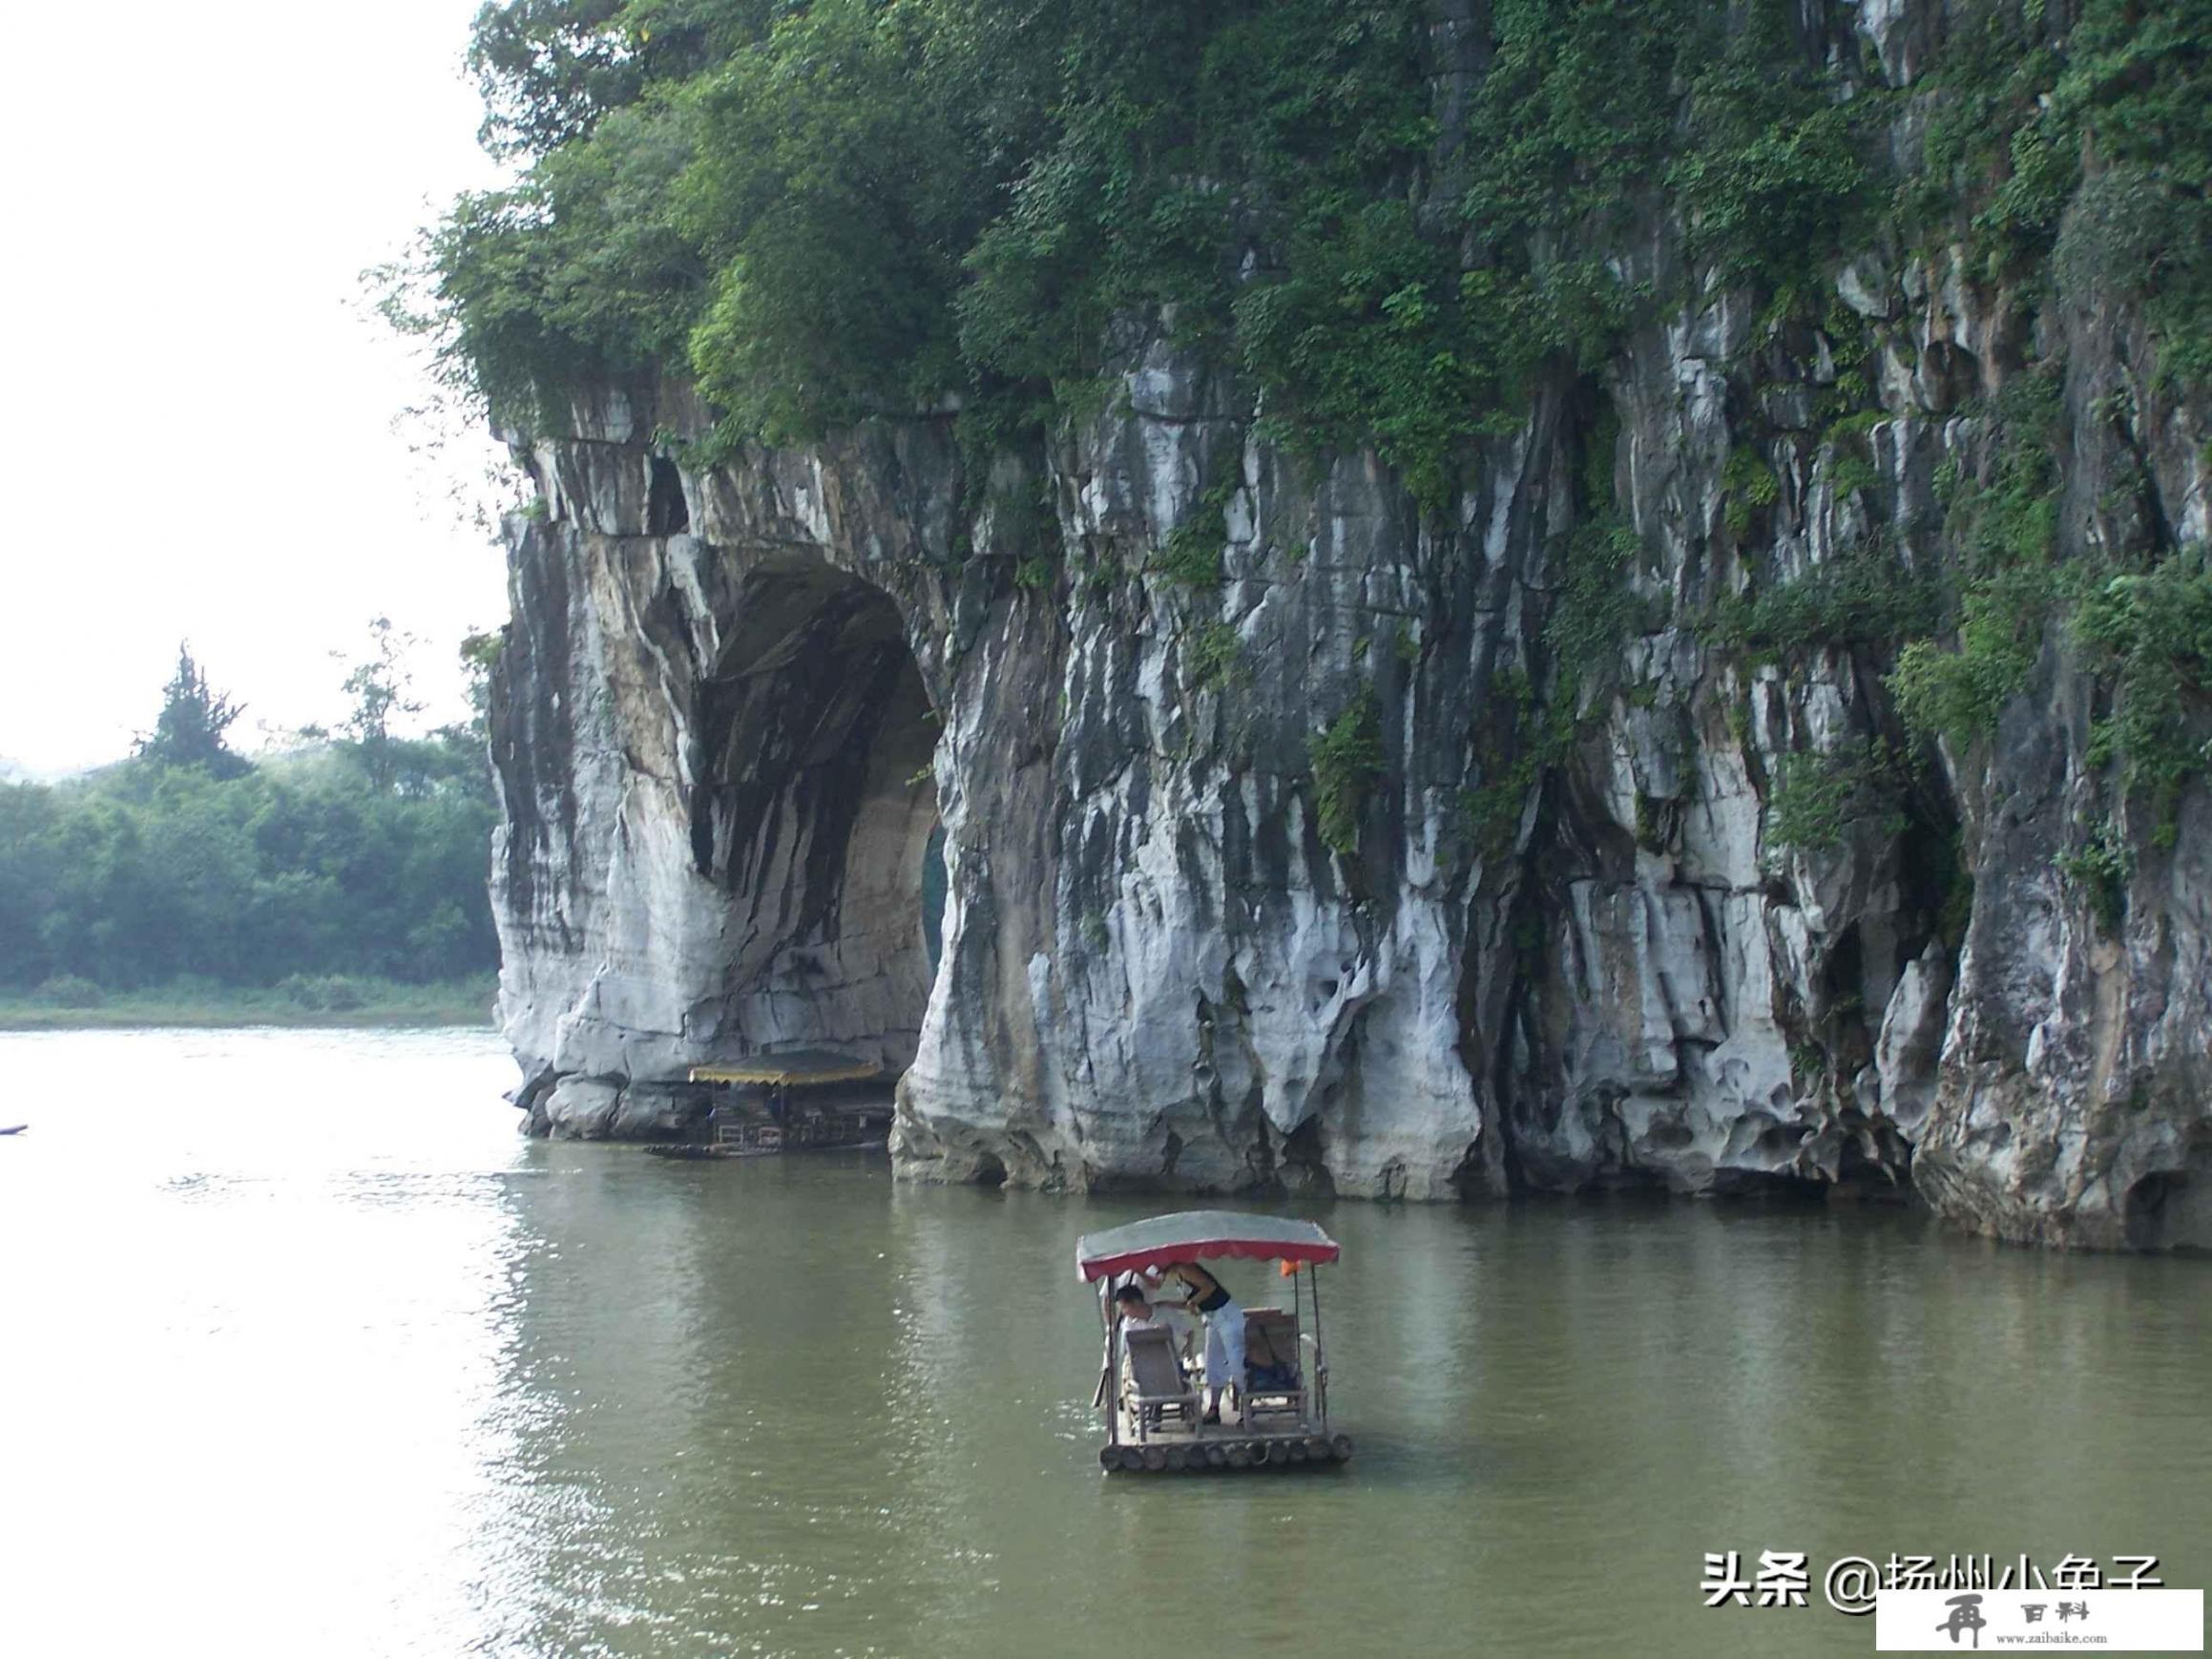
1225,1346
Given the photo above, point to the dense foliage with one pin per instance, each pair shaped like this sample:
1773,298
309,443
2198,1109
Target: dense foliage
825,209
343,858
822,209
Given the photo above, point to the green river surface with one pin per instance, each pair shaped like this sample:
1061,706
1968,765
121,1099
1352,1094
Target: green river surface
306,1352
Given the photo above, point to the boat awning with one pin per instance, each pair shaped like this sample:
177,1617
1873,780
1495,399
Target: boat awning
1196,1233
801,1066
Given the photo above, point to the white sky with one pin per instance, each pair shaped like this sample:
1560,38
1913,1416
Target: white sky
200,442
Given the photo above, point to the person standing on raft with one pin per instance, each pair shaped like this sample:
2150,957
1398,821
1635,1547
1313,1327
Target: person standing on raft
1225,1332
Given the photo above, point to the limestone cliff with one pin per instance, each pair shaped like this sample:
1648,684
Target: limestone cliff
746,703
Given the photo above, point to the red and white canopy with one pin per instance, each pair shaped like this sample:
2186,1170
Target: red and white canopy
1194,1234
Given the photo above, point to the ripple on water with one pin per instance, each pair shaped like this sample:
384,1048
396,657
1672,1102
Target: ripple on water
478,1394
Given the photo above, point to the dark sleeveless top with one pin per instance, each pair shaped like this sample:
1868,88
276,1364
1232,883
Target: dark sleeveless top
1215,1299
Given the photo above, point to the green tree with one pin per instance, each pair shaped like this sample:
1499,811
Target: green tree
189,730
379,684
28,868
479,656
364,857
548,71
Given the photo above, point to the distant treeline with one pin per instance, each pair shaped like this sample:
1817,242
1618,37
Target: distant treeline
359,853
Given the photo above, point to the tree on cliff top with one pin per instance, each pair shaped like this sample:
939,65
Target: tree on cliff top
189,731
820,210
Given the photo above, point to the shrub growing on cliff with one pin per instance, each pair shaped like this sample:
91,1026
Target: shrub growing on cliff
2152,632
1818,797
1597,607
1750,486
1192,553
2003,524
1958,692
1348,757
1860,601
832,187
1211,654
2101,868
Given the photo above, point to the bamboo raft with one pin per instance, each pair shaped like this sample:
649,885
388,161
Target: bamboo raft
1233,1451
1148,1391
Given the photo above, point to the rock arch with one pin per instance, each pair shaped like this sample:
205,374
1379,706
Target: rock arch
812,811
715,757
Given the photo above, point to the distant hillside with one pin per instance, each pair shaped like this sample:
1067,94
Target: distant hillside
15,771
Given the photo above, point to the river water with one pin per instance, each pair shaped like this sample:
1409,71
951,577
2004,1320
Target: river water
305,1353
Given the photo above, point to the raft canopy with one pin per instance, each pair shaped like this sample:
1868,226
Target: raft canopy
793,1070
1194,1234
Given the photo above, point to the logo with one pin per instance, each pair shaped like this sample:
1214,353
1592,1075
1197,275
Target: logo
1966,1614
2158,1621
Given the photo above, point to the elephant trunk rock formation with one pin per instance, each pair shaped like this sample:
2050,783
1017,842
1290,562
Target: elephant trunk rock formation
1295,836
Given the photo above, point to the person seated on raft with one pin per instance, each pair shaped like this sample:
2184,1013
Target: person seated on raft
1225,1330
1134,1313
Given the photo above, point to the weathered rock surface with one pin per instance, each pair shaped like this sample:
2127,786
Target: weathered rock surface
739,702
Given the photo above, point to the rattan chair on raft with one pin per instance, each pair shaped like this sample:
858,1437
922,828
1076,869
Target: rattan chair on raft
1157,1391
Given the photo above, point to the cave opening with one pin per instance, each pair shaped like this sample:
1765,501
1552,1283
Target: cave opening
814,814
2171,1209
